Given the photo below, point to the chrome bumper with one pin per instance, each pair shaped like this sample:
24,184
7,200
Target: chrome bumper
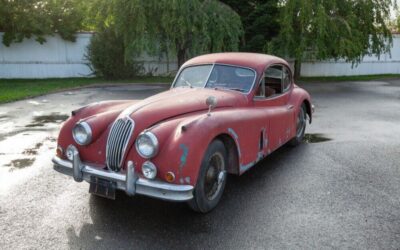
128,182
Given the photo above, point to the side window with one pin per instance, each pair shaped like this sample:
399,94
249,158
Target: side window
261,89
286,79
273,80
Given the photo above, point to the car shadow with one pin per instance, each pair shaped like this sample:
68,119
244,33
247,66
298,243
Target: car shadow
142,222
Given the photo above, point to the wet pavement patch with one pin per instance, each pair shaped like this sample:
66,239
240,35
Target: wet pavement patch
40,121
34,150
2,117
21,163
315,138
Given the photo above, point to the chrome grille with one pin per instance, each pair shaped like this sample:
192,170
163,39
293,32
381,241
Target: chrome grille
117,142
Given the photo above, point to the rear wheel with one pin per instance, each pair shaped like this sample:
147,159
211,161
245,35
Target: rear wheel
301,122
212,178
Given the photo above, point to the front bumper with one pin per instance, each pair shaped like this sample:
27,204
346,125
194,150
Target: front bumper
129,182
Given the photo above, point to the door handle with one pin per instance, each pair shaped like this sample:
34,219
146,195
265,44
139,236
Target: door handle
290,107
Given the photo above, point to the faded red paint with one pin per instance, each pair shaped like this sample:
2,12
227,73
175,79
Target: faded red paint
237,115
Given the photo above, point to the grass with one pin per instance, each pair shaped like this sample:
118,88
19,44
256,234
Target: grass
17,89
348,78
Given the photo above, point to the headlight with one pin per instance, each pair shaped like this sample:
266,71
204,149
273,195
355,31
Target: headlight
82,133
147,145
149,170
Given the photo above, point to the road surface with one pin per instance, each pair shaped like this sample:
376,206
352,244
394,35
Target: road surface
339,189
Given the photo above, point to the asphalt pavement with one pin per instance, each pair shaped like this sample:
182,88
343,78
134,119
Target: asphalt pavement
338,189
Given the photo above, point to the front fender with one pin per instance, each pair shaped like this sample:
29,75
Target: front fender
300,95
183,141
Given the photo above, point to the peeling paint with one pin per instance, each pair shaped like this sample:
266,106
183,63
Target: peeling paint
230,130
187,180
260,156
236,137
244,168
185,152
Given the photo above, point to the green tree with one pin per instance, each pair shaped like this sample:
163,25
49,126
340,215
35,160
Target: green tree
398,23
260,22
20,19
338,29
182,28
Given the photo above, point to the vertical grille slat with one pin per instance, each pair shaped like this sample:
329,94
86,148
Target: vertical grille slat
117,142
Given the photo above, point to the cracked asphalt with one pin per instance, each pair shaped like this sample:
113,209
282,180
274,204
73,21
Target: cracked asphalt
340,193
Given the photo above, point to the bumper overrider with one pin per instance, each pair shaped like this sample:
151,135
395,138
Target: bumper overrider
129,182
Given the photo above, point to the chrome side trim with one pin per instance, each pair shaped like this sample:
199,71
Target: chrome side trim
129,182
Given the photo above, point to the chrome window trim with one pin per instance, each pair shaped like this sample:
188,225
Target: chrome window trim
222,64
259,98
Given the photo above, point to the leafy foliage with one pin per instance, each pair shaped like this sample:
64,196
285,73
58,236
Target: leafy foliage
21,19
175,27
334,29
260,22
107,56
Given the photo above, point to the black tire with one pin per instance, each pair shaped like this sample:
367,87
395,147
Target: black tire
301,122
207,192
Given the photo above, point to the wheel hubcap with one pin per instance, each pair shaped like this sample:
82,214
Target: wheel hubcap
215,176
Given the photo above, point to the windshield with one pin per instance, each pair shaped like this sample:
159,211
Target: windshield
216,76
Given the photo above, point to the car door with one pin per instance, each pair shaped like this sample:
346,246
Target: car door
273,95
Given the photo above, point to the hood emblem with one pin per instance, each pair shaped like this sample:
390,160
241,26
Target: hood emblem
211,102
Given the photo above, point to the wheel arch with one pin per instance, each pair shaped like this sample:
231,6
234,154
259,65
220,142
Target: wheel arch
232,152
308,109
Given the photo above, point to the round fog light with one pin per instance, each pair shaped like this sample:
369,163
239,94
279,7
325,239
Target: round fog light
149,170
60,151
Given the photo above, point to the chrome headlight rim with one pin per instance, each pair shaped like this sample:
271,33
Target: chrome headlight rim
88,131
153,139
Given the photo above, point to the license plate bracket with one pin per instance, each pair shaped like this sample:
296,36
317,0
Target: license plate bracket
102,187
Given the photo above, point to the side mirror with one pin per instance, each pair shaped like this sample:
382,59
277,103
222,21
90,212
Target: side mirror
211,102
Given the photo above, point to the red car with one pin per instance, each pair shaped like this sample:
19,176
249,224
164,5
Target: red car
223,114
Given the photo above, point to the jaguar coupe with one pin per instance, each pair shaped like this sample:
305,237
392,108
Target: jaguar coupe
223,113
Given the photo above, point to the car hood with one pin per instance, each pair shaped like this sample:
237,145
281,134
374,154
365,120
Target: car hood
179,101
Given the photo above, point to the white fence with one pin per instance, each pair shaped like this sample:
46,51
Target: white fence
58,58
53,59
370,65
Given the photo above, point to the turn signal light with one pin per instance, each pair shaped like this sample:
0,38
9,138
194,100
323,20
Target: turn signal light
170,177
59,152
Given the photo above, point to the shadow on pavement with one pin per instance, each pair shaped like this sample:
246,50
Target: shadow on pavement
142,222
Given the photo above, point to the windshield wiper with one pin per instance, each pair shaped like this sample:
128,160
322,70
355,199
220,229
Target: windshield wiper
187,83
238,89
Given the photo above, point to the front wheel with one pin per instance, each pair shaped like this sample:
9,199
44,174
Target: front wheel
212,179
301,122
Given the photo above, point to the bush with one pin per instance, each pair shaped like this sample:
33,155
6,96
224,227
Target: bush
106,53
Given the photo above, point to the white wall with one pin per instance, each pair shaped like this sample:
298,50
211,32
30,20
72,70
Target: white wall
55,58
370,65
58,58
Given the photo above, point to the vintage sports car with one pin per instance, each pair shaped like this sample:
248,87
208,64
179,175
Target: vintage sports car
223,113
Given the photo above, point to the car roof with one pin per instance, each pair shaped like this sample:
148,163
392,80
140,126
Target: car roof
255,61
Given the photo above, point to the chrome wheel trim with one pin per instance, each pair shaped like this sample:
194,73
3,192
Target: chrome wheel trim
212,180
301,123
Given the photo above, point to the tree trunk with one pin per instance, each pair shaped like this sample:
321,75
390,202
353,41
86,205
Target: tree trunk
181,57
297,69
